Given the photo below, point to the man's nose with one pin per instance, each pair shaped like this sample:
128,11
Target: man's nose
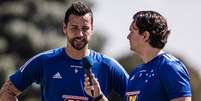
128,36
80,33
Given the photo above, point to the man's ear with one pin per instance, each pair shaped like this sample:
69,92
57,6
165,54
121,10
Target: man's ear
146,35
64,28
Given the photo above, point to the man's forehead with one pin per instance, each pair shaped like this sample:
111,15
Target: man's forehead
83,17
74,20
132,26
79,24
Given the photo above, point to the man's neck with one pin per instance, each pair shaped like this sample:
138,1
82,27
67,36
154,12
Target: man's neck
149,54
76,54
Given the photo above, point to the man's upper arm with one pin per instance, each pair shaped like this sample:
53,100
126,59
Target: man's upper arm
176,81
9,92
120,78
182,99
28,73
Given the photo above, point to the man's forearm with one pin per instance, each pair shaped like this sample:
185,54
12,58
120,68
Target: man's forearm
9,92
182,99
7,97
104,99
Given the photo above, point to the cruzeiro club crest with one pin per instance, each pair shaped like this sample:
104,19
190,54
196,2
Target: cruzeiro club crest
132,96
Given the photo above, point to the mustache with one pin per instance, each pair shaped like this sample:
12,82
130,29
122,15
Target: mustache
79,42
79,38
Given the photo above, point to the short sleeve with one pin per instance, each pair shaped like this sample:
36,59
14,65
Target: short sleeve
175,79
28,73
119,78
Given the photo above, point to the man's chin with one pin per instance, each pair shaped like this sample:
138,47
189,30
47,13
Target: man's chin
79,47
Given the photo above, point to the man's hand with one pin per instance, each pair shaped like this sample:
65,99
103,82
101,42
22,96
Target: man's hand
95,87
4,96
9,92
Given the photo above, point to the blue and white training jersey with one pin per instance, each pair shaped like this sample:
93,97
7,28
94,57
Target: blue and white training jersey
61,78
162,79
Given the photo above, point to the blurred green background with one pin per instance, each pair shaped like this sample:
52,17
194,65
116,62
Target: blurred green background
28,27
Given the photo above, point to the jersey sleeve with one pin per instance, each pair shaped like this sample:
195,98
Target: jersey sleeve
28,73
119,78
175,79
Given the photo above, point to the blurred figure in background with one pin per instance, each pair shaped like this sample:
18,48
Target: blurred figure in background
162,77
60,72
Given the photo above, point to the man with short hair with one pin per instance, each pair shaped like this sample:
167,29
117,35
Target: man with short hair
60,71
162,77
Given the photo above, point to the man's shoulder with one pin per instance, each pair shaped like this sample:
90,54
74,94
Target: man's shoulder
106,60
103,57
169,58
110,63
171,63
48,54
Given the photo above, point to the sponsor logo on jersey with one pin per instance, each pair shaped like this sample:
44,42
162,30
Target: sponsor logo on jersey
76,68
74,98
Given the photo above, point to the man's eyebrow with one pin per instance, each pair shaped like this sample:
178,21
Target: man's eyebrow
86,26
73,25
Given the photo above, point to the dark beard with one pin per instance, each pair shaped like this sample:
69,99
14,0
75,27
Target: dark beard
78,43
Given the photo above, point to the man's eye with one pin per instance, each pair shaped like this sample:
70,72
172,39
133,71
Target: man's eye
85,29
74,29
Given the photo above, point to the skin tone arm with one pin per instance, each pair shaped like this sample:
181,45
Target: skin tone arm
9,92
95,87
182,99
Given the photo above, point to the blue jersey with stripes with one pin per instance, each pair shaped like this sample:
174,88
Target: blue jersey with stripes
61,77
162,79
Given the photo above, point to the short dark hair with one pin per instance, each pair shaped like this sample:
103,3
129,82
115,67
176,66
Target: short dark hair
77,8
155,24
